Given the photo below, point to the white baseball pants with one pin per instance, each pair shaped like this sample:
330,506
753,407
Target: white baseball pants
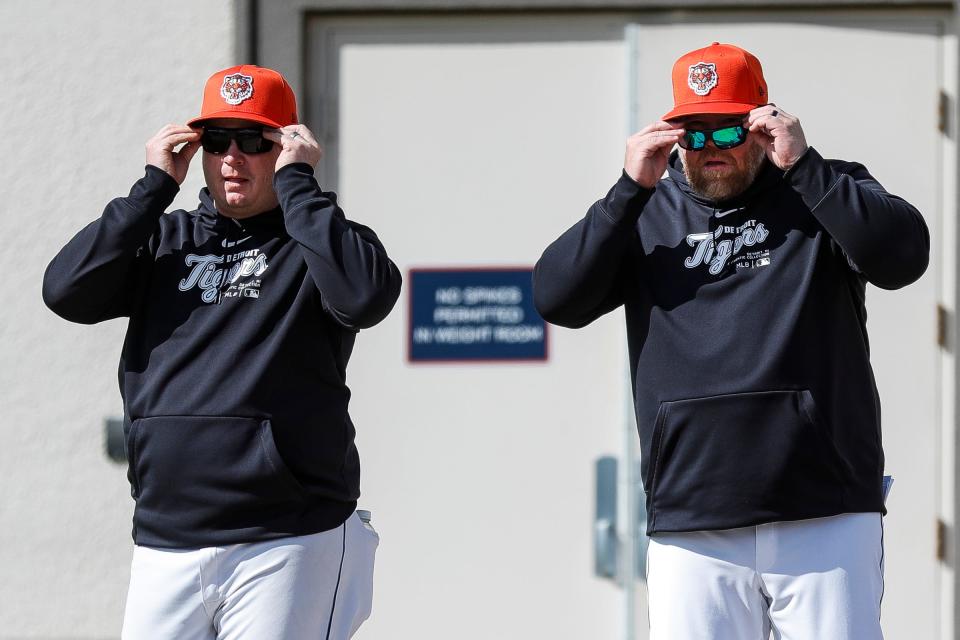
819,579
318,586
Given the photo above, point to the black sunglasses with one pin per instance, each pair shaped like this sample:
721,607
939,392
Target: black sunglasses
723,138
216,140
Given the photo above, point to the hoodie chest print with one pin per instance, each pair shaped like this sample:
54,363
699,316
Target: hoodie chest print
239,277
717,248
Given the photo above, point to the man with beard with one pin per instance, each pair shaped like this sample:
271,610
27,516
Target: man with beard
743,274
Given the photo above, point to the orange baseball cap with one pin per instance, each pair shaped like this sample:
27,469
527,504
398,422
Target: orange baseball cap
251,93
720,78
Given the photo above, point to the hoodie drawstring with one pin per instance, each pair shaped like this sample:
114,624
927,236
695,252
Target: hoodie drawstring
223,260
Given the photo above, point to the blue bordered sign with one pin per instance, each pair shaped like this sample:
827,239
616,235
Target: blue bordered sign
474,315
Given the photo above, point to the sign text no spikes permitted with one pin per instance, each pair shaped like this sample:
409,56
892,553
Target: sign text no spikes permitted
474,315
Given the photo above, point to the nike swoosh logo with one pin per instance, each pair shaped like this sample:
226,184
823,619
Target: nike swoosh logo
227,244
720,214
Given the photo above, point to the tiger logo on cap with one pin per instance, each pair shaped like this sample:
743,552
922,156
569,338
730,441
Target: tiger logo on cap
236,88
702,78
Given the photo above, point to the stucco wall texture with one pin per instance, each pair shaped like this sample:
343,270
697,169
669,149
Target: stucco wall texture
85,84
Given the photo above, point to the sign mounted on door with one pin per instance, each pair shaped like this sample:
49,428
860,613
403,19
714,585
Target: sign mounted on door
480,314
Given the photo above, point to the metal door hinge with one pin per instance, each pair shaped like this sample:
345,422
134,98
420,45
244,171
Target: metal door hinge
943,326
941,548
943,112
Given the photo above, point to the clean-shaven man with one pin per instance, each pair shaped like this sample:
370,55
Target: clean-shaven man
242,316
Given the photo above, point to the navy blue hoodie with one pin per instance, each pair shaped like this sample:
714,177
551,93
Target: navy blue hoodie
754,394
233,371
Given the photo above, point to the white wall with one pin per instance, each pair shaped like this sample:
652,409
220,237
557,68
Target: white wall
85,84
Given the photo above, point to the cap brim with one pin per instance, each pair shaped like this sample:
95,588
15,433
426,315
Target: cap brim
234,115
709,108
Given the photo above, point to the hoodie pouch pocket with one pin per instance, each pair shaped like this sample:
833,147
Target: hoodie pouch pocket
733,460
205,471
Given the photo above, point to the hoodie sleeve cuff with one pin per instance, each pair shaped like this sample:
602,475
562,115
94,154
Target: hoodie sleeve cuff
812,178
295,184
625,201
155,191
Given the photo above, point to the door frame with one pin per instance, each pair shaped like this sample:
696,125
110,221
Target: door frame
274,34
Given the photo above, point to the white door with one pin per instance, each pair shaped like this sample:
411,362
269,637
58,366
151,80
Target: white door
864,90
474,142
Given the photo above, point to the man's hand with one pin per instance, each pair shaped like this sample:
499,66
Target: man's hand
781,133
161,154
648,152
297,145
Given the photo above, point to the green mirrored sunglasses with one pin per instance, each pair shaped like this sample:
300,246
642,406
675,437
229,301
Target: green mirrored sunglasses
723,138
